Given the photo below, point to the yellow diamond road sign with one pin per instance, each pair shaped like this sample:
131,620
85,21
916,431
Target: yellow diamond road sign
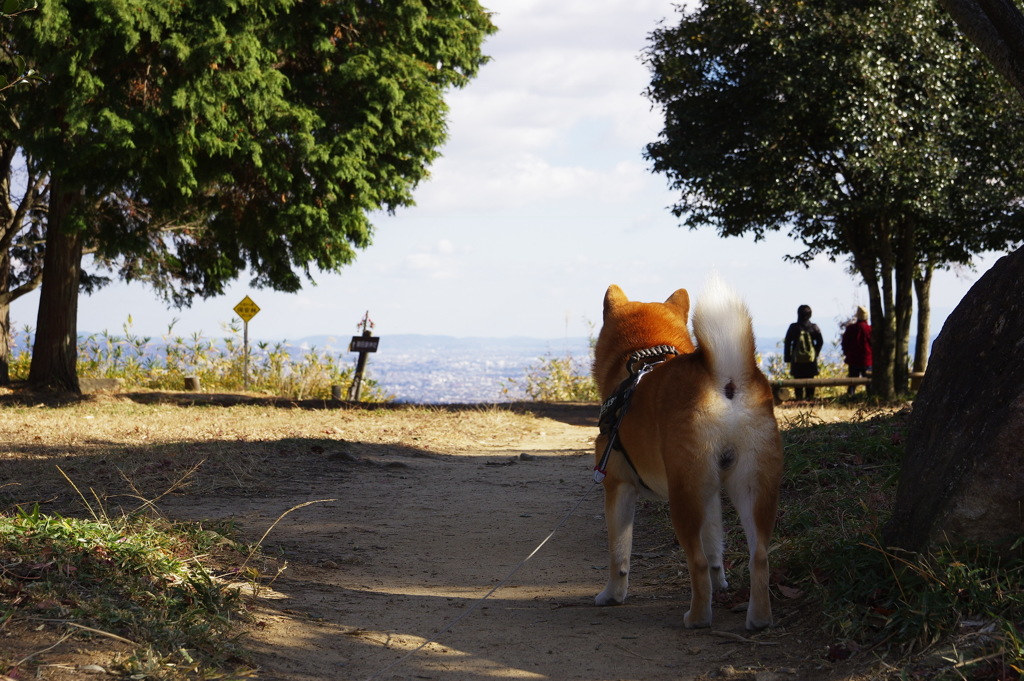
247,309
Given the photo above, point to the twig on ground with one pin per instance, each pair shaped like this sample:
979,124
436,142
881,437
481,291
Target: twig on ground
742,639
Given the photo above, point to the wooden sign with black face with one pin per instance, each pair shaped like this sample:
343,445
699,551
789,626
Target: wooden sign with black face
364,344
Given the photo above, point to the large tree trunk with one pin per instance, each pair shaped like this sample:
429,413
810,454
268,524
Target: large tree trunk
8,229
883,327
877,277
5,320
962,480
923,289
906,265
878,371
55,352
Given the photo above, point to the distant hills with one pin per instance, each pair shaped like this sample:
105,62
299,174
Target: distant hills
407,342
449,369
446,369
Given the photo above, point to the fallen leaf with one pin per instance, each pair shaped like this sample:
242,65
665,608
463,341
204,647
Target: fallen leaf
790,592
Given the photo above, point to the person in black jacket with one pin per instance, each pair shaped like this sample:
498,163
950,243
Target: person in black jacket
802,348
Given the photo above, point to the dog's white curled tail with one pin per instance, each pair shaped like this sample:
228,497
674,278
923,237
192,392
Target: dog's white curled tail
722,327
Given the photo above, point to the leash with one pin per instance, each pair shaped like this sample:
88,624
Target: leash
616,406
479,601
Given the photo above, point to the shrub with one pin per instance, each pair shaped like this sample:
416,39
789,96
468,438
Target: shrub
219,365
558,379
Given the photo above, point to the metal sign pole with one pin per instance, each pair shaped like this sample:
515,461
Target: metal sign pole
245,363
246,309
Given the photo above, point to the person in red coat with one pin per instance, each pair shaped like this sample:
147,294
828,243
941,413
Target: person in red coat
857,346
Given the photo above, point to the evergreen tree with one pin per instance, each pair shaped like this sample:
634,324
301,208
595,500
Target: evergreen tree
870,130
188,142
22,202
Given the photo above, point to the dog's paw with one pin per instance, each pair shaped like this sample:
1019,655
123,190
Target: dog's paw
758,617
754,624
718,580
697,622
608,598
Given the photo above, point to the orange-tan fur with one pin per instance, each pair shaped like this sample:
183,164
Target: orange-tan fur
688,440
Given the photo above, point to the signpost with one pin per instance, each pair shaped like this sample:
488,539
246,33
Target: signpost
364,345
246,309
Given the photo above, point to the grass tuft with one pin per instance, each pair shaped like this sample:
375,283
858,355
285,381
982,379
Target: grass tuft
950,614
131,579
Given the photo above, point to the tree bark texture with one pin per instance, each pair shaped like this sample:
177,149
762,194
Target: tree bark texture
5,321
865,253
55,351
923,289
962,480
883,333
906,265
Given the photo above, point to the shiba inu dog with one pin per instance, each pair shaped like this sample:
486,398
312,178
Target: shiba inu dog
700,421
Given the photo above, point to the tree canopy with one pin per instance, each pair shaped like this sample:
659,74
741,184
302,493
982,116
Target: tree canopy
997,29
868,130
187,143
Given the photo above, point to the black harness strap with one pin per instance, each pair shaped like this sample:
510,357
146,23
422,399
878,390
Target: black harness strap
615,407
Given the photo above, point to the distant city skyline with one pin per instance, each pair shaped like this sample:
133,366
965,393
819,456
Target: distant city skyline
540,201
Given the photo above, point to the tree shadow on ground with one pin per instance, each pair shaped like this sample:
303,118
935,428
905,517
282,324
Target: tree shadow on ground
571,413
116,478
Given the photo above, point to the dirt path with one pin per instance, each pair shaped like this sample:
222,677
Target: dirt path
411,539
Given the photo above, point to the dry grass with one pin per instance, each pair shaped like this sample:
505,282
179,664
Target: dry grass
126,449
86,466
122,451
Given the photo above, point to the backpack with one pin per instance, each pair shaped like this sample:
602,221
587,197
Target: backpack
803,351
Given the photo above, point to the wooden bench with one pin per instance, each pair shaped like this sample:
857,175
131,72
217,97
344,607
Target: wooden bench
781,392
784,384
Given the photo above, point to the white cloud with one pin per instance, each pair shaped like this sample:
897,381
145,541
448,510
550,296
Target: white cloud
557,116
435,262
544,94
613,24
530,180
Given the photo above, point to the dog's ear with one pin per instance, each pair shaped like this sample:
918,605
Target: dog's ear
613,297
681,301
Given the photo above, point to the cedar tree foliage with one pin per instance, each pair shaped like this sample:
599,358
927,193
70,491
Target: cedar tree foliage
188,142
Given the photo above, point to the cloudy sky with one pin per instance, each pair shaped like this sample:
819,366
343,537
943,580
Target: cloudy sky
541,200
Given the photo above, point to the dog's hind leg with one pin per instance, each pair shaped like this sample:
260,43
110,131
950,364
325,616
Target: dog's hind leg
755,497
689,505
714,545
619,506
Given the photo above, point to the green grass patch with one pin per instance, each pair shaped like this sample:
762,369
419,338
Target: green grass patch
951,614
131,579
